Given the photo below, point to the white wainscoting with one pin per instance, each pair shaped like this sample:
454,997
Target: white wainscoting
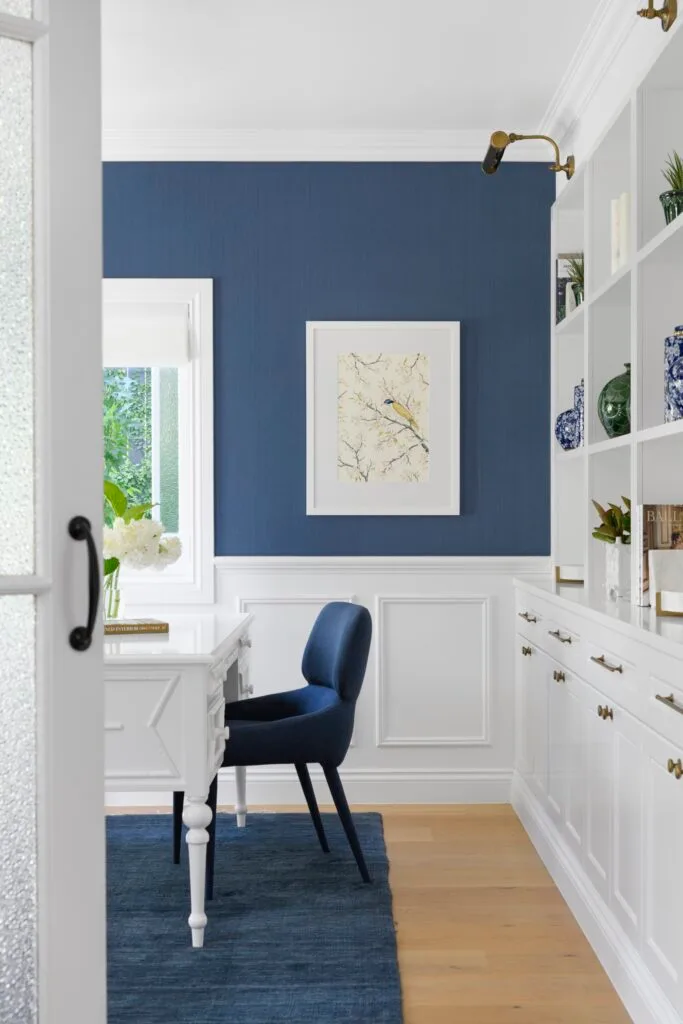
434,722
435,719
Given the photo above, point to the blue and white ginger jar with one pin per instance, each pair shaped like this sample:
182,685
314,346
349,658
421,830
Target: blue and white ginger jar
569,424
673,376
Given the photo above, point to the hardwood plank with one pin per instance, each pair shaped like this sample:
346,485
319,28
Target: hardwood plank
484,937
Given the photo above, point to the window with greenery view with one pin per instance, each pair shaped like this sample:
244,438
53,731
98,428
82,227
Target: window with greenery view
141,437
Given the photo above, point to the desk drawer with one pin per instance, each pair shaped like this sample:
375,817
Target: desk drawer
216,730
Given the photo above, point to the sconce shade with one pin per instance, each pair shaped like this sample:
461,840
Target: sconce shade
494,154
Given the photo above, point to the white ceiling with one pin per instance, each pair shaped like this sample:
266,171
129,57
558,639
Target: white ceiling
336,65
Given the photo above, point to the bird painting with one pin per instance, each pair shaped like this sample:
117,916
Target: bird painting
382,417
402,410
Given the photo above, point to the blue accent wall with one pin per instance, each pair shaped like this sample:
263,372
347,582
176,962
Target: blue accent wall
287,243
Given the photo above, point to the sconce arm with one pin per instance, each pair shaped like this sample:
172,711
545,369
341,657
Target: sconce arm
568,167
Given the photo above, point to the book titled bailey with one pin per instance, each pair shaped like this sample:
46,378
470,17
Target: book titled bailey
655,528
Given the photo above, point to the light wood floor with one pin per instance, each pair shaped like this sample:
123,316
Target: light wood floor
484,937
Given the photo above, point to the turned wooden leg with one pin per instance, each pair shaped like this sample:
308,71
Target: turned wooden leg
241,787
196,817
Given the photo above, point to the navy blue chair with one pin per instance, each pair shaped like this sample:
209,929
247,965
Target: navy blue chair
311,725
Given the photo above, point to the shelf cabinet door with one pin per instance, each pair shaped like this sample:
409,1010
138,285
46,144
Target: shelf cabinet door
576,714
557,758
627,823
525,654
663,918
599,791
537,721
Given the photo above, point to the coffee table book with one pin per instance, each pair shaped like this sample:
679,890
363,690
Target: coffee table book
126,627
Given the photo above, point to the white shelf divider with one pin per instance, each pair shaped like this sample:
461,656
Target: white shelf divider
625,317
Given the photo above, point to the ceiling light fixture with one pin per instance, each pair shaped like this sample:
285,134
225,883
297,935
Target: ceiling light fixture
668,13
501,140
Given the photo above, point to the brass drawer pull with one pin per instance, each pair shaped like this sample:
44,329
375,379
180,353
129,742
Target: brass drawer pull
527,617
670,702
558,636
526,651
603,663
559,677
605,712
675,767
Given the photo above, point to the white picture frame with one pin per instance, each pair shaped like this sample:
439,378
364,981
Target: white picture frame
365,459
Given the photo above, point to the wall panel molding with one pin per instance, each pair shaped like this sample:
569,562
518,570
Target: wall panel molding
384,638
402,565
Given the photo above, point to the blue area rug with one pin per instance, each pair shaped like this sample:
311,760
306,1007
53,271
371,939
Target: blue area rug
293,934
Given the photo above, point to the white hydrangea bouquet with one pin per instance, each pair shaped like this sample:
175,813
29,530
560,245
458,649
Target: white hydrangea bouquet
134,541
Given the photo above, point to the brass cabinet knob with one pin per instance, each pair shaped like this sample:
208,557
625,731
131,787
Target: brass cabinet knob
675,768
526,651
527,617
559,677
605,712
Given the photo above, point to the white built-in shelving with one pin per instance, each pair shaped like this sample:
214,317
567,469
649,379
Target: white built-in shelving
625,317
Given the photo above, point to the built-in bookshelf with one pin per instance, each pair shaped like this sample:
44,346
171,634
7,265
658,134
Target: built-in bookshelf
626,314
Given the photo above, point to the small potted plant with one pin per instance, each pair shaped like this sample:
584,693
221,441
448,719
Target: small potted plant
672,200
575,273
614,529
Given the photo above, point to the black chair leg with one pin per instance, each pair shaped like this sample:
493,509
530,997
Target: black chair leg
307,786
178,801
211,848
340,802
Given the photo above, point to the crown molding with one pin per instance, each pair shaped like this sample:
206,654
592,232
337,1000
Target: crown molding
199,144
606,35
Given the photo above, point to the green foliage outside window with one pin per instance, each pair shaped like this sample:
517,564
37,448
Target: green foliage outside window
128,433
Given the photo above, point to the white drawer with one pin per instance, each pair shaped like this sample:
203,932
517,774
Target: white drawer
608,669
663,703
216,732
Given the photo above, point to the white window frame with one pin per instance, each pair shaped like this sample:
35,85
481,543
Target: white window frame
191,579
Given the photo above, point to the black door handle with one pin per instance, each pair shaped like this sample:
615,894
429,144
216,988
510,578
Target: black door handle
80,528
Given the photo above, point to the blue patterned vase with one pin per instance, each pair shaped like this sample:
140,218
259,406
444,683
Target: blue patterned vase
673,376
578,405
569,424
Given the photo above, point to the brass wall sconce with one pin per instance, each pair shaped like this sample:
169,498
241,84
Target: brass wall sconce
501,140
667,13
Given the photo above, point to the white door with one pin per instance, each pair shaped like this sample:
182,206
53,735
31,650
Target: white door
663,803
600,789
52,953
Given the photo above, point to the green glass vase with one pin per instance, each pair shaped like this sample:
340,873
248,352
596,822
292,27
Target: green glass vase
614,404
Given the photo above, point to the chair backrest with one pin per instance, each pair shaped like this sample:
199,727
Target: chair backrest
337,650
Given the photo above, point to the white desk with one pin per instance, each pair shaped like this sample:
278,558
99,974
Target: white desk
164,720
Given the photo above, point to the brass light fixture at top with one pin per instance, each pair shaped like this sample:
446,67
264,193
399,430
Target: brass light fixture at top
667,13
501,140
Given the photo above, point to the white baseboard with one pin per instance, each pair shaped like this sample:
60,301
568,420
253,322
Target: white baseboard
272,787
637,989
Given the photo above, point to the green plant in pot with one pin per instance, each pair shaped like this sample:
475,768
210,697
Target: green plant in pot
672,200
575,274
614,529
615,522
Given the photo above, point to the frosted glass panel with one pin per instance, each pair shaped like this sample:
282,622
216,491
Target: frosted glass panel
16,307
22,8
17,812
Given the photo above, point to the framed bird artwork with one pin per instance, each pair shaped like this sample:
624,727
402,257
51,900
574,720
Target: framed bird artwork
383,418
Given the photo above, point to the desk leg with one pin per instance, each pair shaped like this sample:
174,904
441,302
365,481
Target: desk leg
241,787
196,817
